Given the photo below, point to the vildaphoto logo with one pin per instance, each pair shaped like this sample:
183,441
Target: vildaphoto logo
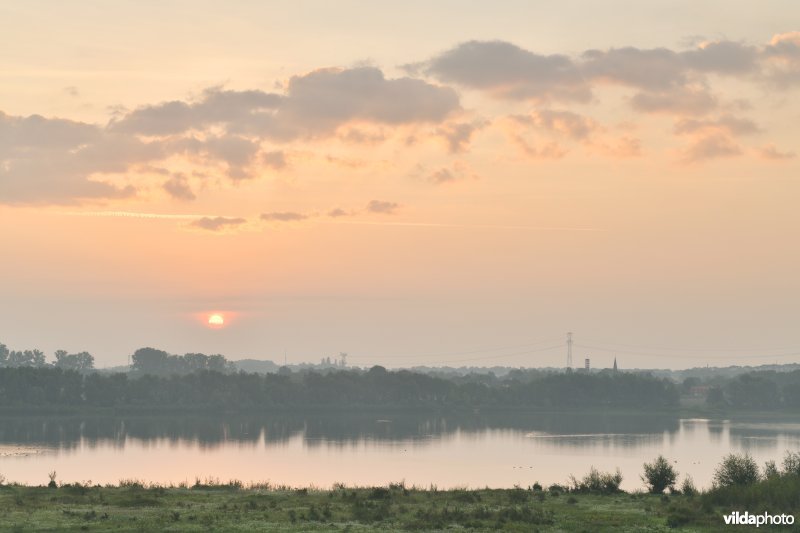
746,519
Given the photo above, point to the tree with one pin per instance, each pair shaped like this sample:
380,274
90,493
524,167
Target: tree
33,358
753,391
80,362
715,397
150,361
3,355
736,470
659,475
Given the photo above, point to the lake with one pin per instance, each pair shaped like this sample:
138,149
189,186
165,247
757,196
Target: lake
319,450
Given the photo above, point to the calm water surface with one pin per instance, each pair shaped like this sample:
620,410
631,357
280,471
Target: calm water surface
471,451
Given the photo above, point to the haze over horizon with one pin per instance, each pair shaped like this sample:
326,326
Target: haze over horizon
432,185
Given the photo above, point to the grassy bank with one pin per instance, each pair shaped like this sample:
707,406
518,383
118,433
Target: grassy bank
232,507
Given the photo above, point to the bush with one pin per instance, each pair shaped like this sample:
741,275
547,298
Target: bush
659,475
687,487
598,482
770,470
791,464
679,516
736,470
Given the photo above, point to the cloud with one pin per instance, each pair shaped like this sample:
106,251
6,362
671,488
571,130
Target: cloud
542,134
665,80
22,136
50,160
722,57
770,152
726,124
782,58
61,161
338,212
623,148
565,123
178,187
362,136
235,151
458,171
508,71
217,223
660,69
275,159
313,105
650,69
544,150
386,208
680,101
714,146
283,216
459,134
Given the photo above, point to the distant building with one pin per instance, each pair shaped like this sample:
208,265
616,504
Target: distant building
586,364
615,364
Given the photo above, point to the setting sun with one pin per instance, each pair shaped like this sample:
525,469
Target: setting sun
216,320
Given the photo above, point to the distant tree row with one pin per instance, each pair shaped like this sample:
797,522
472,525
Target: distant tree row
80,362
758,390
345,388
160,363
144,361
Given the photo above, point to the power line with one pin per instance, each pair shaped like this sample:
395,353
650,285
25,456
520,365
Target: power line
663,348
543,341
560,346
680,356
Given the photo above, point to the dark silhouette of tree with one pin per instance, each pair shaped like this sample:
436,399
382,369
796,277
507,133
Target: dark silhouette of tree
160,363
659,475
81,362
150,361
33,358
753,391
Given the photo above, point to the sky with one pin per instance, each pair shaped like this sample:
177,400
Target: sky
412,183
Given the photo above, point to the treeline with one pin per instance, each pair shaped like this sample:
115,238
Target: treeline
80,362
346,388
143,361
160,363
757,390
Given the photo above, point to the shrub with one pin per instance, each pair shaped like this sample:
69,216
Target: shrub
736,470
659,475
687,487
770,470
679,516
791,464
596,481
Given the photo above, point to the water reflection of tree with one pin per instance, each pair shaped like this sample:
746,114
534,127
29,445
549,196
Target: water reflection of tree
318,429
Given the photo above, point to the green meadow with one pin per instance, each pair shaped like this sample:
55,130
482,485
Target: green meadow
212,506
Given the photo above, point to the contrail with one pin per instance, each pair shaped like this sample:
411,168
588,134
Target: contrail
469,226
133,214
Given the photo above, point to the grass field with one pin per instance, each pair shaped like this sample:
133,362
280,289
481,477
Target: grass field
232,507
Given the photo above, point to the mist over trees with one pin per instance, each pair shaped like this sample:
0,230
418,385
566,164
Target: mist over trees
757,391
81,362
351,389
160,363
156,376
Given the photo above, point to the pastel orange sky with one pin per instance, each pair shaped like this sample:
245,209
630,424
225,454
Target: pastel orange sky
458,183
